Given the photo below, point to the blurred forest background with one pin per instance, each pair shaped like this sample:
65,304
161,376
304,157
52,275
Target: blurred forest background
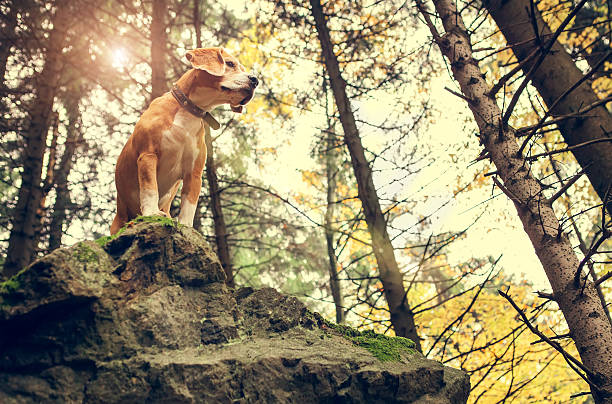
372,175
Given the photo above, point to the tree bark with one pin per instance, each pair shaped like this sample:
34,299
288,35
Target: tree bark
213,182
159,40
47,182
197,25
62,193
583,247
331,171
552,79
392,279
197,218
585,18
22,239
7,39
582,309
217,212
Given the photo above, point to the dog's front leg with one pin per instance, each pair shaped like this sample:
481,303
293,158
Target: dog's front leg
192,184
147,184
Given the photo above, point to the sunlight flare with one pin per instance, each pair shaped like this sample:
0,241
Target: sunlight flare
119,57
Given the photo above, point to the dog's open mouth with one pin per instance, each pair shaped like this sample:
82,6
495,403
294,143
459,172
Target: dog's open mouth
245,99
243,102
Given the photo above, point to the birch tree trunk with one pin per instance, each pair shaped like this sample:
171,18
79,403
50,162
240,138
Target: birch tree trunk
392,279
22,239
582,309
159,40
553,78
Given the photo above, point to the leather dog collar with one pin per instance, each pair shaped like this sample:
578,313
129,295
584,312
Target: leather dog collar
193,109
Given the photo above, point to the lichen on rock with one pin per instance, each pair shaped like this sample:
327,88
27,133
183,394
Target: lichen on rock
146,316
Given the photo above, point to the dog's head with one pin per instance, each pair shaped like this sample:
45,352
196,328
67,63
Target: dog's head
220,71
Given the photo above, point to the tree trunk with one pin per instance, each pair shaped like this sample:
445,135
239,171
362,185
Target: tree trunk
553,78
331,170
583,247
392,279
197,24
48,181
159,40
22,239
217,211
7,39
582,309
586,17
213,182
62,193
197,218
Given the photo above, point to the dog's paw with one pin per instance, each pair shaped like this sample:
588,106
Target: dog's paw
156,213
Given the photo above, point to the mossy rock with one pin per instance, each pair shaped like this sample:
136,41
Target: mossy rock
147,317
11,285
9,289
166,221
85,253
383,347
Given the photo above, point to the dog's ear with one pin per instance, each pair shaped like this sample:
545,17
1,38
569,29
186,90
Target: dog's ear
237,108
209,59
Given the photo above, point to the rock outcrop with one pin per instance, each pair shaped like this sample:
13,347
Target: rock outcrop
146,317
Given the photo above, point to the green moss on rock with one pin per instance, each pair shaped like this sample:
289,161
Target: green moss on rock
383,347
156,219
12,284
9,286
102,241
8,289
85,254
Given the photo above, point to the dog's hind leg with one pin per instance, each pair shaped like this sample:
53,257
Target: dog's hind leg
166,201
121,217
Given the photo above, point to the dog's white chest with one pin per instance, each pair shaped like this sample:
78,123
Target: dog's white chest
179,149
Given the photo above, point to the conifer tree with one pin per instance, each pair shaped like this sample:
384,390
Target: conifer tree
584,121
579,302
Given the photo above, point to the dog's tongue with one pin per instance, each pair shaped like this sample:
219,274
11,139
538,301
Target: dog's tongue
237,108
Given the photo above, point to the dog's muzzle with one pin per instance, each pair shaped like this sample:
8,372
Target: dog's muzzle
253,82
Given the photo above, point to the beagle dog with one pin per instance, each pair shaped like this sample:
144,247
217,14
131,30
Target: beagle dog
167,145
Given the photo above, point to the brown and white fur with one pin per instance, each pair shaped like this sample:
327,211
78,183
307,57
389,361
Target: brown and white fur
167,145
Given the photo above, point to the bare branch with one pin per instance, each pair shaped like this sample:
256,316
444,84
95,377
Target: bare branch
552,152
537,64
573,362
565,187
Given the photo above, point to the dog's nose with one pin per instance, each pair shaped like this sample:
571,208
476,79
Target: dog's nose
253,80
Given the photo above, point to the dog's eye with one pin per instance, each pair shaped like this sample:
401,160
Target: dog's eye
230,64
